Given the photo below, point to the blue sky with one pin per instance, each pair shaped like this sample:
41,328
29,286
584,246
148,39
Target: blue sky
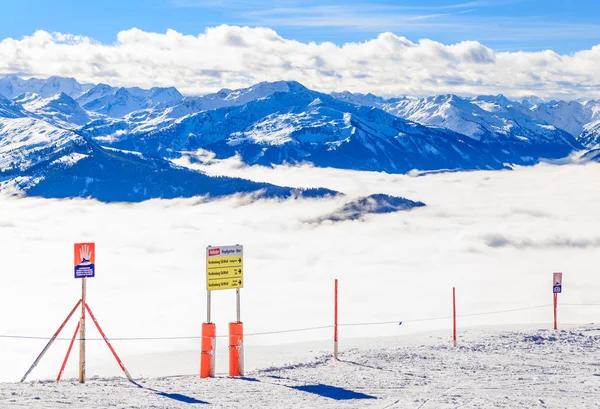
505,25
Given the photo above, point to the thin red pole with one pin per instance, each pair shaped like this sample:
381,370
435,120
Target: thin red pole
555,307
454,313
37,360
335,322
62,368
108,343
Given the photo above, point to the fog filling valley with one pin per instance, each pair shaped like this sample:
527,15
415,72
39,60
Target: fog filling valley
495,236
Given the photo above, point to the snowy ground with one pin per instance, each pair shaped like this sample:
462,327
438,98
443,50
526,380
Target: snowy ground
495,236
518,368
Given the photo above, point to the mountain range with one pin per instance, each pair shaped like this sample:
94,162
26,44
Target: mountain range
60,138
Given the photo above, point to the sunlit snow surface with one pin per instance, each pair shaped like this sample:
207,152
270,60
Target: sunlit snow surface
496,236
514,368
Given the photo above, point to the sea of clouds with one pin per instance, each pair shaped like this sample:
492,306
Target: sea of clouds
495,236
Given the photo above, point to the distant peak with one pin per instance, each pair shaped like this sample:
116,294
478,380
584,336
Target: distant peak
282,86
122,92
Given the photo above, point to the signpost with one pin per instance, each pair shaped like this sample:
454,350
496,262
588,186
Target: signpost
556,289
84,267
224,271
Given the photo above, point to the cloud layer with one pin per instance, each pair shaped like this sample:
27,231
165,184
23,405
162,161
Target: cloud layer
150,272
231,56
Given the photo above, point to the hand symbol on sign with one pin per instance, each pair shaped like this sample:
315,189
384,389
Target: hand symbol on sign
85,254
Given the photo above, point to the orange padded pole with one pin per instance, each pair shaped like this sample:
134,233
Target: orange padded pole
207,354
236,349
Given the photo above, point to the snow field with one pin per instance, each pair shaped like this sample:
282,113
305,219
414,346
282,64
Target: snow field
491,367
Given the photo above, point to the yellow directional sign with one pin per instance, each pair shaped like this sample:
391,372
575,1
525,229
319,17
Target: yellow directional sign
224,267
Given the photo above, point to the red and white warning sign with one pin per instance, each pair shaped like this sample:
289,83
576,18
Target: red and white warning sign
557,283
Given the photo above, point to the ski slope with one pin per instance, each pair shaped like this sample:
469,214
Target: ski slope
512,368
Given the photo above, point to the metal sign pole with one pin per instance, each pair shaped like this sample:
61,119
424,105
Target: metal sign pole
82,335
208,306
237,302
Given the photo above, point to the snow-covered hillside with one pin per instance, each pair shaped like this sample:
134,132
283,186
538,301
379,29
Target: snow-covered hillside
590,136
39,159
592,155
60,109
25,142
493,120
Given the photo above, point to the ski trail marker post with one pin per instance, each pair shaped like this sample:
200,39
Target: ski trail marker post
556,289
224,271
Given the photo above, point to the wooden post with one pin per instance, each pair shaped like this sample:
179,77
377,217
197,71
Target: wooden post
82,334
335,322
454,314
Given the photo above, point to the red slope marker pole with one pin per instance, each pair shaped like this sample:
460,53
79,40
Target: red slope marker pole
62,368
37,360
555,307
108,343
454,314
335,322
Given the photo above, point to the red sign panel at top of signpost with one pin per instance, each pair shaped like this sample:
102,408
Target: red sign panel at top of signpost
85,260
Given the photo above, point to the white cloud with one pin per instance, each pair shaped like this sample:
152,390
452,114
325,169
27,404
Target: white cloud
150,260
231,56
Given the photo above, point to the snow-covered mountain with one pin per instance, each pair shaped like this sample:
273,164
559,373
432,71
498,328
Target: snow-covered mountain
285,122
373,204
10,109
496,121
96,92
11,86
39,159
295,124
127,100
590,136
369,100
25,142
495,116
59,109
579,119
592,156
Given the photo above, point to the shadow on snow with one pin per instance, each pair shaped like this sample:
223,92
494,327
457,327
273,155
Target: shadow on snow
326,391
175,396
